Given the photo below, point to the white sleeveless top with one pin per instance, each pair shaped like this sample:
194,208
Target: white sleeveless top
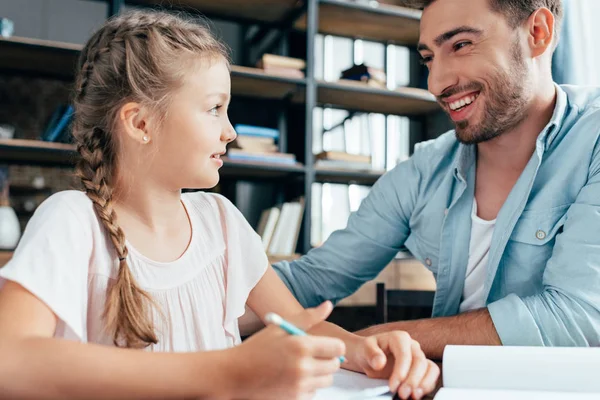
66,259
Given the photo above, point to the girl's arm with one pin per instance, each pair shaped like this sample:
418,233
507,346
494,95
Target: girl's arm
271,364
36,366
393,355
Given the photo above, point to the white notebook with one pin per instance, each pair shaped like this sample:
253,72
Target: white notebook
520,373
348,385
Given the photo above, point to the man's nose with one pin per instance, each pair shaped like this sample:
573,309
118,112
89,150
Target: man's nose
441,77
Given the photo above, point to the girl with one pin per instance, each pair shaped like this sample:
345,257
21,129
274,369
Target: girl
79,296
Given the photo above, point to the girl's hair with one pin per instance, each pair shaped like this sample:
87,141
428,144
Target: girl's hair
143,57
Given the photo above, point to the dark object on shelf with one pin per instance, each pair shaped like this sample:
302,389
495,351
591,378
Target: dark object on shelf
363,73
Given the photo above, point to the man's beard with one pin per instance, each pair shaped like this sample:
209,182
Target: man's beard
505,103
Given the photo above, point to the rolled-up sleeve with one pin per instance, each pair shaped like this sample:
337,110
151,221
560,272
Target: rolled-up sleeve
567,311
356,254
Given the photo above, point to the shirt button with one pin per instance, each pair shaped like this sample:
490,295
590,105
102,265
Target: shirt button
446,211
428,261
540,234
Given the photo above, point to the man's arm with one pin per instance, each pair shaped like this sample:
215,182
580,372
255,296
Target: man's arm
471,328
357,254
565,313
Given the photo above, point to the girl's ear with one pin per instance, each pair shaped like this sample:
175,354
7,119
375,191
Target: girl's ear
135,121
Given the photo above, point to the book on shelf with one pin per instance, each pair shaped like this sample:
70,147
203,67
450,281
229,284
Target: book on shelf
285,72
520,373
254,144
274,158
343,156
282,66
345,165
279,227
276,61
259,131
57,127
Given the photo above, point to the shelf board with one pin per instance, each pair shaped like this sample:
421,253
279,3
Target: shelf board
253,169
346,176
357,96
58,60
37,152
257,10
384,22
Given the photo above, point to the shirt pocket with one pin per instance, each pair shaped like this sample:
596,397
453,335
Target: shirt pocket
531,244
425,251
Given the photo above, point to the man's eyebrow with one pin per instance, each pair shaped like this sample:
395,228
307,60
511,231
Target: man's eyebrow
444,37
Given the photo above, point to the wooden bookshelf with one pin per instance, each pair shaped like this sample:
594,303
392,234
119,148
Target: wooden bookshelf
50,59
346,176
357,96
384,22
37,152
258,10
37,57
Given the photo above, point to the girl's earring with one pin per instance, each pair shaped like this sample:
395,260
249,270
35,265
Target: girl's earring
145,139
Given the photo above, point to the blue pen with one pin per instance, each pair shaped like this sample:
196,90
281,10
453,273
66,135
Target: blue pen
275,319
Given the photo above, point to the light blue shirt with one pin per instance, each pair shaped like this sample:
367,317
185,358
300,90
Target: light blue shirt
543,274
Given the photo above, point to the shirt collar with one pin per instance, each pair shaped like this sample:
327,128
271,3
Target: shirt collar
552,129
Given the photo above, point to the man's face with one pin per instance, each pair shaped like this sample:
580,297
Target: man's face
477,68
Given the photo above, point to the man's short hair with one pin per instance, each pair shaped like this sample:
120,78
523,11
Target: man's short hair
515,11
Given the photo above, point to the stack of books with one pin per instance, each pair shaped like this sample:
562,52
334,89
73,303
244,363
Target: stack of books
282,66
279,228
371,76
257,143
343,161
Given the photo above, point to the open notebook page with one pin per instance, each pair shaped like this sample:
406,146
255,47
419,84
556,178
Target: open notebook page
478,394
349,385
559,370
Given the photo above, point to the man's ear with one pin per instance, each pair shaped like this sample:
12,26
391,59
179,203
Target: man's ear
541,31
134,119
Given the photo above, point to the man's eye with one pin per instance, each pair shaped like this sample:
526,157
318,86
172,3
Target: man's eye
460,45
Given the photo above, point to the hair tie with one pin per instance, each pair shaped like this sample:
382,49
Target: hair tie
121,258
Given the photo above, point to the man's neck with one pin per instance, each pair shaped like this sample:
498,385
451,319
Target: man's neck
512,150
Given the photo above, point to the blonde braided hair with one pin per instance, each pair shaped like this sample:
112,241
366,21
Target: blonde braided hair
129,59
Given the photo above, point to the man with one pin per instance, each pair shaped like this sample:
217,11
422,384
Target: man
504,210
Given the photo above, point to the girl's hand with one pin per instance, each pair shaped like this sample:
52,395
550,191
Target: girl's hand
272,364
396,356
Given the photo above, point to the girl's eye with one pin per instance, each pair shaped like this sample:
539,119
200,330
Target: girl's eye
215,111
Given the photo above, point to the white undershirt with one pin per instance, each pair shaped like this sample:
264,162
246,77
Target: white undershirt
479,249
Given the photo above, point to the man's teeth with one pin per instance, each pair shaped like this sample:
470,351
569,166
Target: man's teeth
455,105
216,156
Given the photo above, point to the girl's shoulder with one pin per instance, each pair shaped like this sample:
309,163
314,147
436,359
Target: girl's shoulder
69,204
